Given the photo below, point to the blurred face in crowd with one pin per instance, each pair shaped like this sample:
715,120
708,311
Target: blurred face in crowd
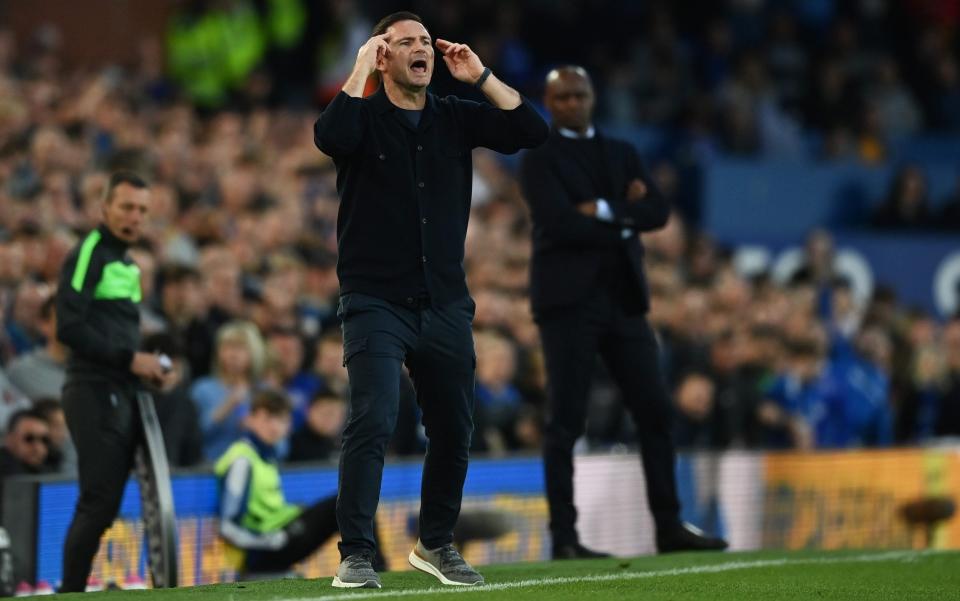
330,359
29,299
125,212
28,441
569,98
327,416
496,362
805,366
843,301
148,269
288,348
233,357
875,345
695,396
182,299
12,261
269,427
409,63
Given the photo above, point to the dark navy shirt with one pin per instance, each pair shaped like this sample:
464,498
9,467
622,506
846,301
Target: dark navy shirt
405,190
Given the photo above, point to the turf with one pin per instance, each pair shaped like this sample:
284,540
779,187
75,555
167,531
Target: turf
835,576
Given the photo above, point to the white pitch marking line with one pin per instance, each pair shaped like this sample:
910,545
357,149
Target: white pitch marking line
704,569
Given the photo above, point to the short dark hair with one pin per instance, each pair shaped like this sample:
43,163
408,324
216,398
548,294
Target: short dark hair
123,177
271,400
22,414
384,24
177,273
46,407
324,395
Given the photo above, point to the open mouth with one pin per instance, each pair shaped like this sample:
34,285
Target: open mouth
419,66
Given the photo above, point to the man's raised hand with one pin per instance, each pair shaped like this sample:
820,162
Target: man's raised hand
463,63
370,54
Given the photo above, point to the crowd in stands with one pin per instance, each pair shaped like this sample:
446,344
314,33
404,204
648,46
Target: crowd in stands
238,265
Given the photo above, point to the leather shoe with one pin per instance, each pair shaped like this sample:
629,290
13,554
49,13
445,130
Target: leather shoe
576,551
686,537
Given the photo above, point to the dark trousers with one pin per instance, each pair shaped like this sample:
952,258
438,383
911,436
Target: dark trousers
437,346
104,422
572,337
305,534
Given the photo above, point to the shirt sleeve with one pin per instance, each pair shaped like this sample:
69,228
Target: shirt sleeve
234,495
78,279
505,131
339,130
554,214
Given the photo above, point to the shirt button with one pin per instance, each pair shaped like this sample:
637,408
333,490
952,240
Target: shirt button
419,148
424,258
424,221
420,184
383,157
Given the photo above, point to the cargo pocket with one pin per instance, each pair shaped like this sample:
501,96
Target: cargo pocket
351,348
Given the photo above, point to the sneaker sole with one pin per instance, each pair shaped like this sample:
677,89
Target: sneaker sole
365,584
425,566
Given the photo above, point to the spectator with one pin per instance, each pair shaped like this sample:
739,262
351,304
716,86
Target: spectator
22,327
906,205
61,454
286,346
25,446
42,372
795,409
318,438
865,417
922,379
182,306
264,533
948,416
11,399
498,400
897,111
694,398
223,398
176,412
329,363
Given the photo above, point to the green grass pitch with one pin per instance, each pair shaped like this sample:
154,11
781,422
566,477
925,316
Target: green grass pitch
835,576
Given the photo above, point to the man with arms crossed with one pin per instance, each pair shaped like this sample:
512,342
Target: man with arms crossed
589,196
404,178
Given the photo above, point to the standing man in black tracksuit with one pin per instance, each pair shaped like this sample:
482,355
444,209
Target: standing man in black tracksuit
589,196
97,318
404,179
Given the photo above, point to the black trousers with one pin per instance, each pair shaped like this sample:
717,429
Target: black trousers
436,343
104,422
305,535
572,337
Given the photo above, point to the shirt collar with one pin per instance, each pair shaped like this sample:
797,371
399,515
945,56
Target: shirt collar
266,452
109,238
381,103
569,133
